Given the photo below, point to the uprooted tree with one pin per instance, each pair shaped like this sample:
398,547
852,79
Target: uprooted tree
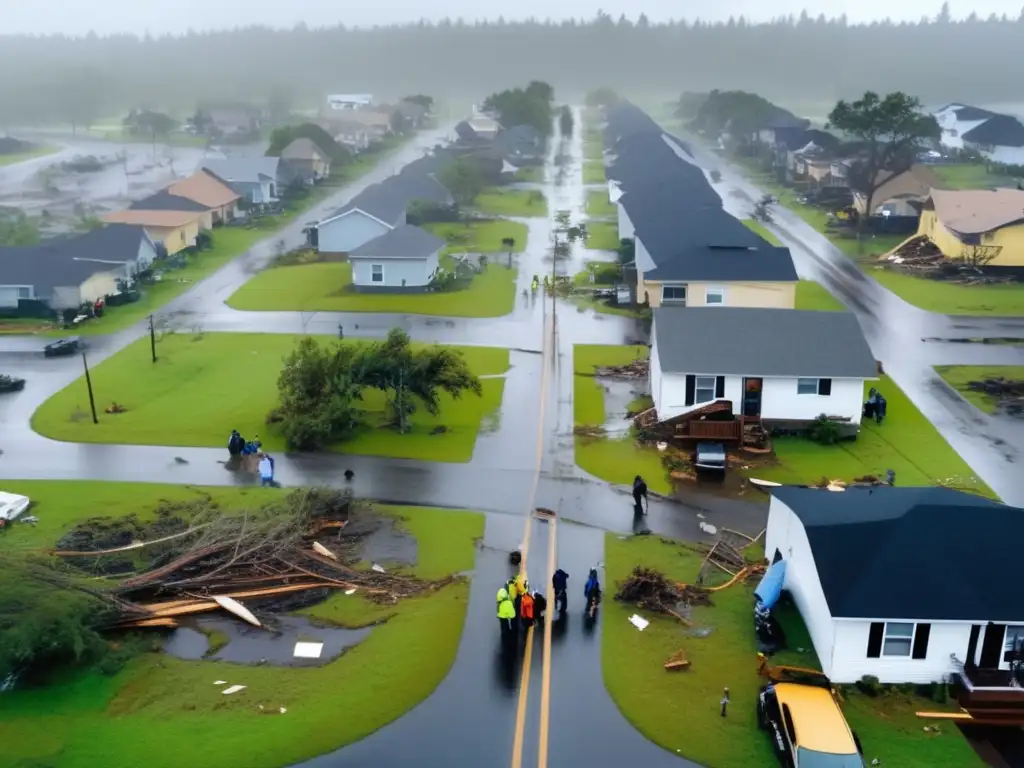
320,387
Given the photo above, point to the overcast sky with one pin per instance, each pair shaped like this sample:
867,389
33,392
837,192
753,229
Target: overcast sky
163,16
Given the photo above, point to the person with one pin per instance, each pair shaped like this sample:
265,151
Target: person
540,604
501,596
592,592
236,443
560,583
639,493
266,467
257,443
526,610
507,619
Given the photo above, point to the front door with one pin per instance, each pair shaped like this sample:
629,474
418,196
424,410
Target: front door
992,646
752,397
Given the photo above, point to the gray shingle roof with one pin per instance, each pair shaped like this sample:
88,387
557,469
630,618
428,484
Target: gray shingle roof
405,242
866,541
745,341
165,201
710,263
244,170
389,199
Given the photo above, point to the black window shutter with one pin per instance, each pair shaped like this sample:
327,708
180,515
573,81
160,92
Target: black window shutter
691,389
920,650
720,386
824,386
875,640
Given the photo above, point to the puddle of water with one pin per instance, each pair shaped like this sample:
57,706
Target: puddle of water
252,645
382,540
618,394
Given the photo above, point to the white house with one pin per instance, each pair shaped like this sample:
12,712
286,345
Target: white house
957,119
999,139
784,366
257,179
405,258
349,101
910,585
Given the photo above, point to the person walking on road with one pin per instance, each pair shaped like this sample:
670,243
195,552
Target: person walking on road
592,592
526,610
266,467
506,618
639,494
540,604
560,583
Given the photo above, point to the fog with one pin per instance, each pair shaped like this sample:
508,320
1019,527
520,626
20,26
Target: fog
801,59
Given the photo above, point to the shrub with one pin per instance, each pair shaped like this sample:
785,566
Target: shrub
869,685
825,431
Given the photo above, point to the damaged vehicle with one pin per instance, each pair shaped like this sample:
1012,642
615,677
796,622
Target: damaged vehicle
10,383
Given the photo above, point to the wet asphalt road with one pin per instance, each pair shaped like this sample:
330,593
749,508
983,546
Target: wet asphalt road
480,696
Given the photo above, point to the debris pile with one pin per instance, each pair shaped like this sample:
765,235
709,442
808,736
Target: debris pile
637,369
1008,393
649,589
917,253
194,558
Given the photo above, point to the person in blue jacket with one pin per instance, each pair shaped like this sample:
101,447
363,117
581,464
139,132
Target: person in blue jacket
592,591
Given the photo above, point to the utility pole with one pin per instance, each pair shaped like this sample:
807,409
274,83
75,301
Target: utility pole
88,383
152,338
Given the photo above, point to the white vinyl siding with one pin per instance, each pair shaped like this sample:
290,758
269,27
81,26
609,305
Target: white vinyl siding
814,387
394,273
348,232
376,273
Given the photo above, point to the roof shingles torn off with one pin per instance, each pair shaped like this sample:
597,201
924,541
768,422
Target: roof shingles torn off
973,211
917,554
746,341
205,188
405,242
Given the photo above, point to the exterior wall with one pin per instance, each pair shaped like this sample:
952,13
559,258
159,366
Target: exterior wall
905,185
98,286
850,660
785,533
347,233
770,295
998,154
399,274
655,377
1011,239
175,238
65,297
779,398
144,258
206,222
9,295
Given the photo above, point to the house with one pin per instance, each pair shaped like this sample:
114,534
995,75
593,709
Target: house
484,126
166,201
908,585
255,179
65,273
784,367
378,209
235,120
999,139
175,230
412,114
983,223
305,155
900,194
349,101
207,190
520,142
377,124
405,258
957,119
782,128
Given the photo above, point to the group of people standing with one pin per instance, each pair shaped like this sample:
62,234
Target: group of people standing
520,607
239,447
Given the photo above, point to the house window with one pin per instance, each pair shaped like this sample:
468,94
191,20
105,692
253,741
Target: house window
705,389
715,295
24,293
1014,640
898,639
814,387
376,273
675,293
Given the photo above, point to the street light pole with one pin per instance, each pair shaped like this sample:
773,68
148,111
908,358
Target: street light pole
88,383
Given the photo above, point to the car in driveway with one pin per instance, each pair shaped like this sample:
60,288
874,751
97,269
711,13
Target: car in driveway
801,712
10,383
63,347
710,457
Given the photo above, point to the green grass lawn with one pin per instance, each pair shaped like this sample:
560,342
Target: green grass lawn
20,157
603,236
512,202
593,147
326,286
905,442
959,376
931,295
164,712
657,702
202,388
532,174
616,460
969,176
593,172
812,295
598,204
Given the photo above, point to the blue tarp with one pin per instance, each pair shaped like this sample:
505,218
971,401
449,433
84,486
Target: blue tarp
768,591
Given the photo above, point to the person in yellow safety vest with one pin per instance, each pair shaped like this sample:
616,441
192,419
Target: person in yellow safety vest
507,619
510,587
502,595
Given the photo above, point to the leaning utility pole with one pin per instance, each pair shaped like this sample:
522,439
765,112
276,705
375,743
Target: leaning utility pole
152,338
88,383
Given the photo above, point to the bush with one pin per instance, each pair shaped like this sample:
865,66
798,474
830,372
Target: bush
869,685
825,431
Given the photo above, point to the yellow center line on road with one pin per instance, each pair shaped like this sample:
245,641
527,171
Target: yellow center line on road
524,681
545,680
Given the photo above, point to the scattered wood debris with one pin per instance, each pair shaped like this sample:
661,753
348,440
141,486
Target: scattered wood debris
1008,393
677,661
650,590
638,369
588,430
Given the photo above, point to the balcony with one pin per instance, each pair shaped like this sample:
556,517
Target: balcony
991,696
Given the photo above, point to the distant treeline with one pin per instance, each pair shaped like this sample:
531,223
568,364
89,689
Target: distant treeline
793,59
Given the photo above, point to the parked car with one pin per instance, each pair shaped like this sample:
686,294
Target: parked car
808,727
63,347
10,383
710,457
